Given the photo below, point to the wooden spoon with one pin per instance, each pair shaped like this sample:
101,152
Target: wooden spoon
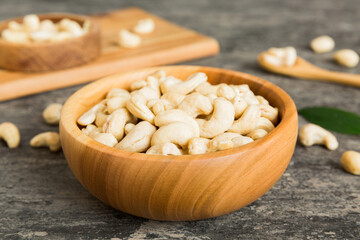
304,69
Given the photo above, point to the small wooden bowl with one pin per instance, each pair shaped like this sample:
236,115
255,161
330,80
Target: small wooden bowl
175,188
38,57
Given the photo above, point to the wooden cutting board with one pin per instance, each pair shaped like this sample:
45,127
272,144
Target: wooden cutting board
168,44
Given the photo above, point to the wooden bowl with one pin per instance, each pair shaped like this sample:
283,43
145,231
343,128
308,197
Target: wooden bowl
188,187
37,57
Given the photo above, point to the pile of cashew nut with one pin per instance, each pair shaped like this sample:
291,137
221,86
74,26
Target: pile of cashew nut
32,30
167,116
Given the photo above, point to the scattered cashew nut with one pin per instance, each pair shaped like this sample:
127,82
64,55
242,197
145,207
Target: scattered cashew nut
350,161
127,39
51,114
347,57
47,139
311,134
10,134
144,26
322,44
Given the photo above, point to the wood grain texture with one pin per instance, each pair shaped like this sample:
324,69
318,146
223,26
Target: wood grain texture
169,43
178,188
40,57
306,70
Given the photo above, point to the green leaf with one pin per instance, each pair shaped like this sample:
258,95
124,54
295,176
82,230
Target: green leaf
333,119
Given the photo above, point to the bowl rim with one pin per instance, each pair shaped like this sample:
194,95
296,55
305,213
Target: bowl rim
94,29
75,132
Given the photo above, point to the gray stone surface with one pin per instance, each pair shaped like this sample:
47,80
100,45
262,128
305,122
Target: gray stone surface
315,199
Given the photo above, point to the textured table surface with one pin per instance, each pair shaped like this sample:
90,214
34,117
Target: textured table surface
315,199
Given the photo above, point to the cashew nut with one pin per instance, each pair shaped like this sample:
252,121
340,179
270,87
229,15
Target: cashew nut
198,145
139,138
106,138
91,130
164,149
183,87
269,112
71,26
15,26
265,124
228,140
322,44
14,36
281,56
347,57
128,127
154,84
147,92
174,98
47,139
137,85
10,134
101,119
128,39
262,100
240,106
176,115
196,104
221,119
177,132
206,88
248,121
212,97
350,161
311,134
31,22
117,92
225,91
51,114
116,99
144,26
244,92
116,123
160,105
137,106
89,117
160,75
257,134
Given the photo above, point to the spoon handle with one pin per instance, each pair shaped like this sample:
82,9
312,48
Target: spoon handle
338,77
